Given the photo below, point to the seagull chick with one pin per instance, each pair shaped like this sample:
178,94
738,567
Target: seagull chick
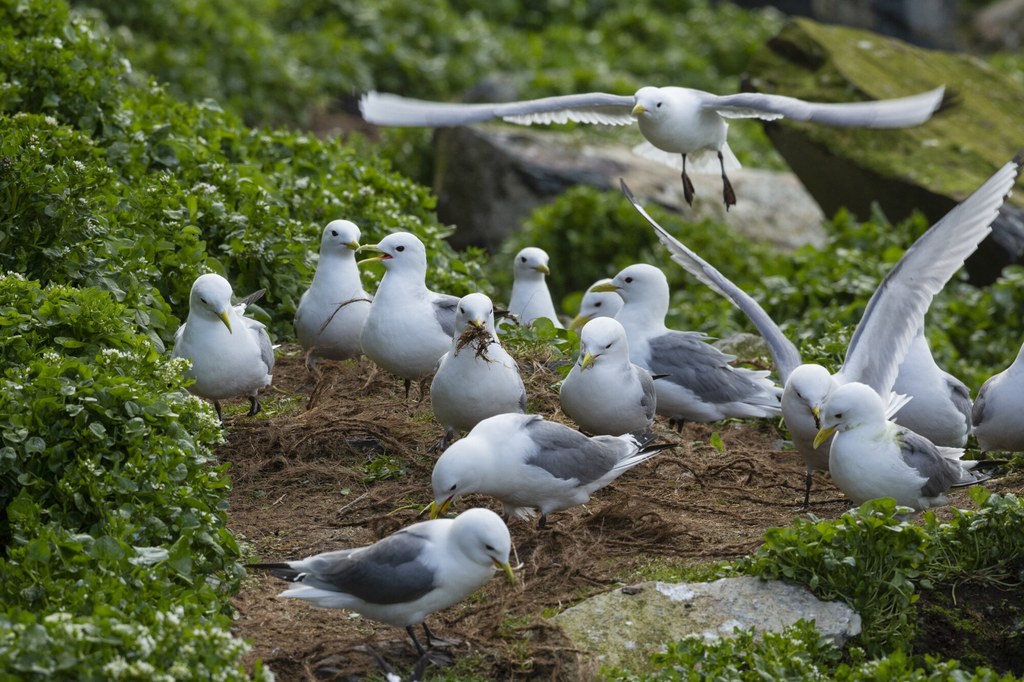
231,355
529,463
476,378
686,123
331,313
408,575
605,393
409,327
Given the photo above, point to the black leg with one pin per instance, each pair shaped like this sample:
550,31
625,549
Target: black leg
543,523
687,184
408,383
419,647
730,196
254,406
807,487
220,415
677,423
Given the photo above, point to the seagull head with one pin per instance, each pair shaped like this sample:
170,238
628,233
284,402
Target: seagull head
458,471
849,406
602,337
809,387
483,537
651,103
596,304
340,236
640,286
475,310
530,263
401,251
211,298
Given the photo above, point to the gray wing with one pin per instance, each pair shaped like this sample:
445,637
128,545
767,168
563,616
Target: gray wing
178,334
390,571
251,298
885,113
688,361
896,310
980,403
592,107
649,400
921,454
960,396
444,312
266,347
567,454
785,354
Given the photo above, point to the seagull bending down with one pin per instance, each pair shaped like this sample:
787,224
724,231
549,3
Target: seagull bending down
231,355
408,575
409,327
892,319
476,378
529,463
683,122
697,382
331,313
871,457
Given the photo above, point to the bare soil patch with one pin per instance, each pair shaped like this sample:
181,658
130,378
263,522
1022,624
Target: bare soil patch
356,467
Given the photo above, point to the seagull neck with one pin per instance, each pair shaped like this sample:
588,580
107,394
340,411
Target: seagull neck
337,271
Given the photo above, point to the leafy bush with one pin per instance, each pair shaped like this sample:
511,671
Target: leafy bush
117,561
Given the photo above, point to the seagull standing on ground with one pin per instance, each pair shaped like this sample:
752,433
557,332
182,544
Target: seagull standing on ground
409,327
871,457
686,123
476,378
231,355
605,393
892,318
331,313
596,304
408,575
530,296
698,383
529,463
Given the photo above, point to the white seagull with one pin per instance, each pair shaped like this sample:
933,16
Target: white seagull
476,378
892,319
231,355
409,327
871,457
331,313
695,380
999,409
408,575
683,122
529,463
530,297
596,304
605,393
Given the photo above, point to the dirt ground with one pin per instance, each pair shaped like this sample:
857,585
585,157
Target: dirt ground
356,466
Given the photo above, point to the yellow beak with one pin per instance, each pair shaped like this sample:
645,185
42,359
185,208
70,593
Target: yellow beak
379,257
577,322
353,245
587,361
438,509
816,411
543,268
479,324
507,570
223,315
823,435
638,109
605,287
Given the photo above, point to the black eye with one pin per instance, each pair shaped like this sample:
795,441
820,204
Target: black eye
453,487
522,259
839,415
462,310
400,249
203,300
334,233
488,548
598,304
629,280
658,105
608,346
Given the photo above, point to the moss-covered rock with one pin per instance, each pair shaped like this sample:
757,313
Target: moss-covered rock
930,167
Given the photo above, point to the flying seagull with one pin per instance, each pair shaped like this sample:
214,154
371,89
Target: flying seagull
679,121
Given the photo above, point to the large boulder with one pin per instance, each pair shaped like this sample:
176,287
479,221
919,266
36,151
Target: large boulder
489,178
930,167
624,626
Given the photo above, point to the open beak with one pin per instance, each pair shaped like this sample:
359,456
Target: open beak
381,255
439,509
816,411
823,435
587,361
223,315
506,568
638,109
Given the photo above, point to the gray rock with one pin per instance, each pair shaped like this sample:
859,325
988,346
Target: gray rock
488,179
623,627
